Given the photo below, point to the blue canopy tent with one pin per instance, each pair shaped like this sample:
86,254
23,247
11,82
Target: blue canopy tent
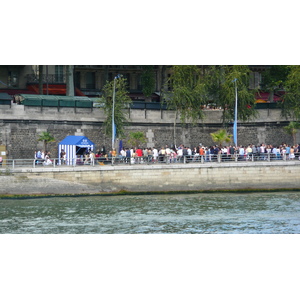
75,146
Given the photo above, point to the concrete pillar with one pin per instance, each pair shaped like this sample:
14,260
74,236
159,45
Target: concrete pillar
70,80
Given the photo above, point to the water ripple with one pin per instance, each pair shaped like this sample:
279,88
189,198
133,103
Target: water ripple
269,213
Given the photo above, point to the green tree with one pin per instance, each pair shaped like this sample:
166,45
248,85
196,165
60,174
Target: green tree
47,138
291,100
221,86
292,129
192,87
273,79
122,101
221,136
148,80
187,94
137,138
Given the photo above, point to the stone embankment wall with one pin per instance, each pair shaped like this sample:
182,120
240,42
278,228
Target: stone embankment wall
156,178
21,126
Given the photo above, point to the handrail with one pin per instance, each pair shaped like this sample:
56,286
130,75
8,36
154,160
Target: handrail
167,159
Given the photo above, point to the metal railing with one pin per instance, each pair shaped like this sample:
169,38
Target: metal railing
146,160
50,78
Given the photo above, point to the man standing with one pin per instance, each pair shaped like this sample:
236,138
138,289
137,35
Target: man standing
155,154
168,154
92,158
249,152
185,154
262,151
241,152
231,151
128,155
62,156
288,150
139,154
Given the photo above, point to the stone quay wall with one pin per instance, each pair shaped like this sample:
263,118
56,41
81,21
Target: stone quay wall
239,176
20,127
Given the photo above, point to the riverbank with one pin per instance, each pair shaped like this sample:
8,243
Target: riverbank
173,178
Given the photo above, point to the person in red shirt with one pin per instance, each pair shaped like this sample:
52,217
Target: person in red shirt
139,154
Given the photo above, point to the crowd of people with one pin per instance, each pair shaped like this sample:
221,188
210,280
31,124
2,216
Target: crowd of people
43,157
211,153
166,154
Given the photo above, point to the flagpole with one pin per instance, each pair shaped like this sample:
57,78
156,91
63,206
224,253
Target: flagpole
113,116
235,116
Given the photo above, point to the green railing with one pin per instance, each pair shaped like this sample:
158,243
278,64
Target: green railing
58,103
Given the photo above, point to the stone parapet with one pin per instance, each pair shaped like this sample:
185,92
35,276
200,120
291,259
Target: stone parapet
157,178
21,112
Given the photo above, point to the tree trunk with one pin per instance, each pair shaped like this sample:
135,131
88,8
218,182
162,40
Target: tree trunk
294,138
223,116
271,96
174,129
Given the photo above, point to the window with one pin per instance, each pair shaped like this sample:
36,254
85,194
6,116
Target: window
127,76
255,80
77,79
139,86
12,78
59,74
90,80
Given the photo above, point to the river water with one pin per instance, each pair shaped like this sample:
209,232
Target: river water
205,213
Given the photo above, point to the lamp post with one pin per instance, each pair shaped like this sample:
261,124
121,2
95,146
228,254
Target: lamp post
113,133
235,116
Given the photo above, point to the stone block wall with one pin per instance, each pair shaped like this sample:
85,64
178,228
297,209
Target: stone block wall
158,178
20,128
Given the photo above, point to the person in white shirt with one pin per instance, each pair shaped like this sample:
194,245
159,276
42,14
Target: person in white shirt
262,151
123,154
224,151
179,154
155,154
92,158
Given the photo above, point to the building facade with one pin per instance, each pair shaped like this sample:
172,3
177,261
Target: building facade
89,79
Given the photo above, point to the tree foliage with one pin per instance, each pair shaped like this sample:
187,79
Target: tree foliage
187,93
137,138
46,137
274,77
193,87
148,80
122,100
221,86
291,103
292,129
221,136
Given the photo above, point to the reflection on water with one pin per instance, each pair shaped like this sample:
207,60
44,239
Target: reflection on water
182,213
